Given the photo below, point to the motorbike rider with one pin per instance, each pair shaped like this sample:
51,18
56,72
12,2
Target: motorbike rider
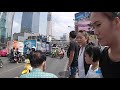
17,54
28,52
12,53
62,51
33,49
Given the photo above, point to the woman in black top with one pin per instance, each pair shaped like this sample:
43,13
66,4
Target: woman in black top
106,26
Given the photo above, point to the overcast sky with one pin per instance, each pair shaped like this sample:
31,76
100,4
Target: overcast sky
60,23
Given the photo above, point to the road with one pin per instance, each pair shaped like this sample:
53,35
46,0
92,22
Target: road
54,65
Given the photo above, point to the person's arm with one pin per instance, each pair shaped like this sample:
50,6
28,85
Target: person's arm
72,52
71,57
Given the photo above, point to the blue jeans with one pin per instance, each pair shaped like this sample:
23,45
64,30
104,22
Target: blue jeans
73,71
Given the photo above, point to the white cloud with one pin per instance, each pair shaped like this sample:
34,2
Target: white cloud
61,21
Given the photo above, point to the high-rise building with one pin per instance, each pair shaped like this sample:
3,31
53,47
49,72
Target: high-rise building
6,23
30,22
9,24
3,27
35,22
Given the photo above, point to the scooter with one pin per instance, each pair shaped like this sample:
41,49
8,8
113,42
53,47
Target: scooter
27,68
53,55
21,58
1,63
13,59
61,55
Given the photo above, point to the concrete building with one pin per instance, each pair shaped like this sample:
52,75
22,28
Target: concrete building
23,36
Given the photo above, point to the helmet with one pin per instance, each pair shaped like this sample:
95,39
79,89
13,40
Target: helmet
27,61
34,47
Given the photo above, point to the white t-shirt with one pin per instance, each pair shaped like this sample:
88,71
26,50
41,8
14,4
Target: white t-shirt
81,63
93,73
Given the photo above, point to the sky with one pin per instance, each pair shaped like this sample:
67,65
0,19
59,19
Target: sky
60,23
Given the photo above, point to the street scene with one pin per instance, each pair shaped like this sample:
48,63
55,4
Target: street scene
13,70
59,45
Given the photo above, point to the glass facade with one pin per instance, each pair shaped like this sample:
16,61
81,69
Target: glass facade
35,22
26,24
2,27
6,22
9,24
30,22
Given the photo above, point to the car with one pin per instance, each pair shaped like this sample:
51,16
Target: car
3,53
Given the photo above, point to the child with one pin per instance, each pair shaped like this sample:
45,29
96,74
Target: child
92,56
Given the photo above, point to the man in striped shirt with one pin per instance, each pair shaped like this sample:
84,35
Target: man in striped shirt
38,63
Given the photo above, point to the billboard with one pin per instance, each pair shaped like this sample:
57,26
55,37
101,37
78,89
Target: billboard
29,44
21,47
81,15
84,25
15,44
9,46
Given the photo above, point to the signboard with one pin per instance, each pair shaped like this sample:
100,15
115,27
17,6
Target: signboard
84,25
21,47
81,15
29,44
15,44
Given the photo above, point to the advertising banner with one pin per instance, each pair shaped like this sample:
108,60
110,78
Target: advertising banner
29,44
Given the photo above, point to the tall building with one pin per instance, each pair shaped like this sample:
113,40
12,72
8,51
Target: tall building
3,27
49,26
6,23
35,22
9,24
30,22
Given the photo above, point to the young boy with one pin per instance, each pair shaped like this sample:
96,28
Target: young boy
92,56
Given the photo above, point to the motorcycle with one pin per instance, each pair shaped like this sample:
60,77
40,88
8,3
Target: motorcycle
12,59
27,68
21,58
61,55
1,63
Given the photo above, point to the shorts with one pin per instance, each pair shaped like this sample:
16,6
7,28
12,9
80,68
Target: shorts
73,71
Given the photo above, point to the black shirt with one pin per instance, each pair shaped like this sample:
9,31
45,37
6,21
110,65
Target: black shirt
74,47
109,68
